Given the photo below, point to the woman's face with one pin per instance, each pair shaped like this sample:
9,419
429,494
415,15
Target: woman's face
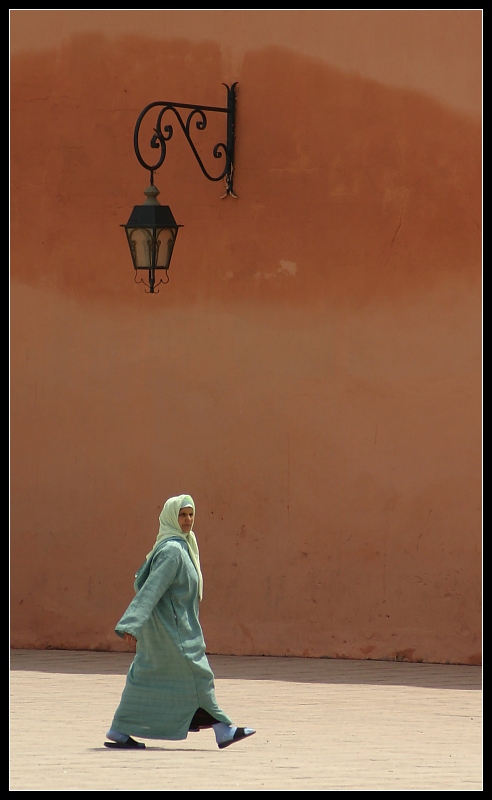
185,519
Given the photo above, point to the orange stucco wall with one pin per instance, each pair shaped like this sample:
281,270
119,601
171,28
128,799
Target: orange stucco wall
312,372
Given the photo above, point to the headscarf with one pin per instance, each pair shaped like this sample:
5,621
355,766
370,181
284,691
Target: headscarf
169,528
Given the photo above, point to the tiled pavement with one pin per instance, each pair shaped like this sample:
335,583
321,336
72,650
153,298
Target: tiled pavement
322,725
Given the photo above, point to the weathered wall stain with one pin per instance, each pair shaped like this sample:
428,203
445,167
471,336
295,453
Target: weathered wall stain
435,51
364,191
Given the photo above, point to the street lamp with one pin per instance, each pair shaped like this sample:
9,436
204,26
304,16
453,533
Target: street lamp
151,229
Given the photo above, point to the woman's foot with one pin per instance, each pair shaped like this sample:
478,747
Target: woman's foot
226,735
130,744
122,741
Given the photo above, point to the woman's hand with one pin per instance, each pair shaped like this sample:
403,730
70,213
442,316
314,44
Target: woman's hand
129,638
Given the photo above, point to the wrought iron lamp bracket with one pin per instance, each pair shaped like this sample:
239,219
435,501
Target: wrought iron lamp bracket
186,114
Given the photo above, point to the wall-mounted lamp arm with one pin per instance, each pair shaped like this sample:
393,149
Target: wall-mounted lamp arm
197,115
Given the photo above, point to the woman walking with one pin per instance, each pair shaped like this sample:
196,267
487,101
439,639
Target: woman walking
169,687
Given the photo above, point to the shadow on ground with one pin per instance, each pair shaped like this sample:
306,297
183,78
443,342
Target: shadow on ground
266,668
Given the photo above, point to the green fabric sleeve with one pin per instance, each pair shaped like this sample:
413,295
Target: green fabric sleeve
162,574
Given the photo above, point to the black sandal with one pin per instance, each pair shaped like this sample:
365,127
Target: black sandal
239,733
130,744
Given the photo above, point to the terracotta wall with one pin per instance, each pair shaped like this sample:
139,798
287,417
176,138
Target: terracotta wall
312,372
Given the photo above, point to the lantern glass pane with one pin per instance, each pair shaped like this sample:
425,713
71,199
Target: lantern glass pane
140,241
164,247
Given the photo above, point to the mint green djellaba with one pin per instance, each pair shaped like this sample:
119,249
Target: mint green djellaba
170,678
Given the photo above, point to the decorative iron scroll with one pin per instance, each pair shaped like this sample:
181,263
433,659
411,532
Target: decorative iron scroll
197,117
